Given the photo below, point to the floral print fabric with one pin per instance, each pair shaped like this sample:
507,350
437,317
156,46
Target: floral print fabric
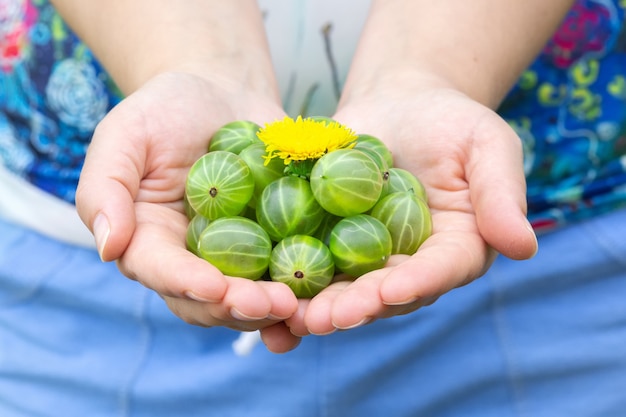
52,94
569,107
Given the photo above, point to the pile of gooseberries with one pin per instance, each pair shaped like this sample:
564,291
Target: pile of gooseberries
254,218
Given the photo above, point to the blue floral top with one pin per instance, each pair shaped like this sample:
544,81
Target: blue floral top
569,107
52,94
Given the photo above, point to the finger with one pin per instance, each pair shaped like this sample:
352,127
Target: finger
296,321
498,191
284,303
156,256
212,315
279,339
447,260
254,300
360,303
108,184
318,317
247,305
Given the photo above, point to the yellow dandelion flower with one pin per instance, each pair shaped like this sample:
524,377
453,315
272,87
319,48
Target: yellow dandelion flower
304,139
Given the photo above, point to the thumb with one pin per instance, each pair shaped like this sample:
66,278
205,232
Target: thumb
498,192
106,191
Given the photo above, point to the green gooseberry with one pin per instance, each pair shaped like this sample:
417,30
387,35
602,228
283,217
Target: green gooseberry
304,263
324,119
194,229
373,145
360,244
234,136
381,163
403,180
189,211
346,182
380,156
407,218
237,246
263,174
248,212
384,170
287,207
219,184
326,226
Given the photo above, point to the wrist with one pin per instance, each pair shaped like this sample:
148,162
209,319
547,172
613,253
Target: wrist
252,75
391,83
458,43
135,41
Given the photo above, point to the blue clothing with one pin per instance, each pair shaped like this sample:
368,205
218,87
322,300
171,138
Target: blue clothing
569,107
53,92
537,338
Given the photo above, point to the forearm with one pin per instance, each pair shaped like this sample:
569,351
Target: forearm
479,47
138,39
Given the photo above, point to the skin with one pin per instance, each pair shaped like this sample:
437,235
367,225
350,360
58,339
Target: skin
432,103
434,85
182,85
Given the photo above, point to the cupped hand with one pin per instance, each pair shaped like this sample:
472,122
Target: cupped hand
471,164
130,196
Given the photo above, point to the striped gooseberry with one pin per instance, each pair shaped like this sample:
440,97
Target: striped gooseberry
376,148
302,262
237,246
287,207
262,173
360,244
326,226
234,136
189,211
346,182
407,218
194,229
403,180
219,184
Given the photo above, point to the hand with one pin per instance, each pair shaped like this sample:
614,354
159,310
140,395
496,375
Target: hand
130,196
470,162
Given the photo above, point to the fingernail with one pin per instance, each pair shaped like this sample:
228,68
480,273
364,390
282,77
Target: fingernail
532,231
192,295
331,331
274,317
400,303
101,231
363,322
238,315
